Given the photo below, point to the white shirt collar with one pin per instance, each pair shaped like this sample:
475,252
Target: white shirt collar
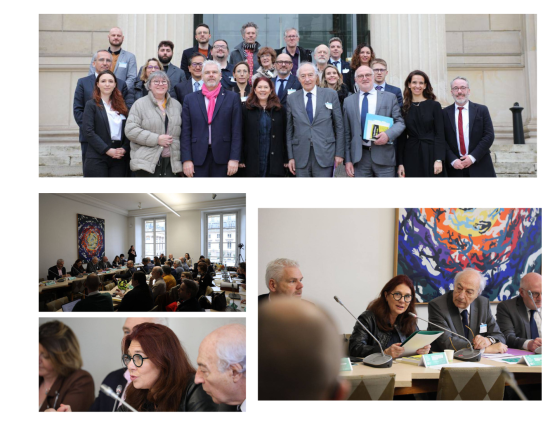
466,106
462,309
243,406
313,91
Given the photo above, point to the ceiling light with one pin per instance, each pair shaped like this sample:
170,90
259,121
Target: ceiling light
164,204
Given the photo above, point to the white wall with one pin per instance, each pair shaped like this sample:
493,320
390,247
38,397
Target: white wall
57,231
100,339
184,234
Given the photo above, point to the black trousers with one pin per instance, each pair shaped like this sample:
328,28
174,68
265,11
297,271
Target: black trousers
105,167
163,169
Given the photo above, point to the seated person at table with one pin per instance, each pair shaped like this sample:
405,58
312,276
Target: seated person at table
299,353
467,314
241,271
173,271
210,267
156,283
178,265
104,263
58,271
184,264
61,382
93,266
282,278
147,266
518,318
126,275
122,260
94,301
388,319
139,298
168,277
187,275
162,259
187,295
205,280
116,261
77,268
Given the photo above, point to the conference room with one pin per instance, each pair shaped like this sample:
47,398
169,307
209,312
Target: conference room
137,252
404,304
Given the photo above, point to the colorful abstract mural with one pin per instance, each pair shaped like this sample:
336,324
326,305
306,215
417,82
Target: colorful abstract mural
433,244
90,237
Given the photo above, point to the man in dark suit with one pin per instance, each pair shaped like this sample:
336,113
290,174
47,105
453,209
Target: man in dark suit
187,294
84,91
104,263
211,133
58,271
518,319
380,70
283,279
202,36
93,266
469,134
297,54
220,53
335,47
194,83
464,312
285,82
126,275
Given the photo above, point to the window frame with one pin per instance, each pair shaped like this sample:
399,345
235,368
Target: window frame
219,240
143,231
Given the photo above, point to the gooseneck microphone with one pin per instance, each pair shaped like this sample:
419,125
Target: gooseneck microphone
109,391
118,391
538,350
472,355
377,360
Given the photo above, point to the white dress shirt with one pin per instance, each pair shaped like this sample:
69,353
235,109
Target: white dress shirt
339,65
465,128
115,122
243,406
313,98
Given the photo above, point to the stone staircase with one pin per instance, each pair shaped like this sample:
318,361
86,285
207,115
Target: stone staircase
59,154
515,161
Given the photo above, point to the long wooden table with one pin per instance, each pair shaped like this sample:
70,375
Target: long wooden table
411,379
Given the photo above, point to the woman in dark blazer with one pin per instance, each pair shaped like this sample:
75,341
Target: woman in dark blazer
103,124
77,268
264,132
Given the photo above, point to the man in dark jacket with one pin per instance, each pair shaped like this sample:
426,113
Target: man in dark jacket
248,49
202,36
285,82
187,294
296,53
57,271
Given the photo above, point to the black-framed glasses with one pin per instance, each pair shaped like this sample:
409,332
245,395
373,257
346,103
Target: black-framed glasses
379,70
137,359
397,296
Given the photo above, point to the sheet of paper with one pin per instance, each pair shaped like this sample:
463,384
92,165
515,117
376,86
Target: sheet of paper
497,355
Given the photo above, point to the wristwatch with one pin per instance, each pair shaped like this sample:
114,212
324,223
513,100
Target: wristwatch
493,341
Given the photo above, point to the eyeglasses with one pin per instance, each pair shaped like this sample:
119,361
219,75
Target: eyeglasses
462,88
397,296
364,76
153,67
283,62
265,56
196,64
217,47
291,36
137,359
159,83
379,70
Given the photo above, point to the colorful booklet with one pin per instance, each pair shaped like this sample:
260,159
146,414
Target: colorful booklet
376,124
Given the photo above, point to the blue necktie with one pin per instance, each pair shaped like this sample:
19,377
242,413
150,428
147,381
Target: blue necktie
464,315
364,111
197,84
281,89
379,88
309,107
336,64
533,324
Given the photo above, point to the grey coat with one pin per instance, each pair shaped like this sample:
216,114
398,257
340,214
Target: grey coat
326,133
239,55
386,105
443,311
144,126
125,69
513,321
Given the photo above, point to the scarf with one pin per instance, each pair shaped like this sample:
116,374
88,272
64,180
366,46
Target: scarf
211,95
251,47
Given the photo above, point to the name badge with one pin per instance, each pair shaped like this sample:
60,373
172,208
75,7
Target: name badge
483,328
123,65
290,91
328,106
345,71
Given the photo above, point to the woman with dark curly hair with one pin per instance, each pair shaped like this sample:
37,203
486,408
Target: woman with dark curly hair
161,374
363,55
421,147
387,317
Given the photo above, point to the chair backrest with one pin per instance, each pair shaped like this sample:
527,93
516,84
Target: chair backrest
78,286
471,383
377,387
110,286
56,305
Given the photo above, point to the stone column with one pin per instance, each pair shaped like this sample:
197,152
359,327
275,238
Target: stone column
530,59
409,42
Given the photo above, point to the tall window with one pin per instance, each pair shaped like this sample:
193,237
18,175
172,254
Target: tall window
155,237
222,230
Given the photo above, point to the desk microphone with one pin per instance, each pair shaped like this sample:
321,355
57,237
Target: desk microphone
472,355
118,391
109,391
538,350
377,360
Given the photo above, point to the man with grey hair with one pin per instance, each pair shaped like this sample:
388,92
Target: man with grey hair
283,279
93,266
321,55
211,132
222,366
469,134
297,54
101,61
465,312
58,271
520,318
156,282
194,83
247,50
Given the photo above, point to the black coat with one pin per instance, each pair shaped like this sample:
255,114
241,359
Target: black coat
104,403
251,142
139,89
204,281
131,256
139,299
182,89
187,55
190,305
52,272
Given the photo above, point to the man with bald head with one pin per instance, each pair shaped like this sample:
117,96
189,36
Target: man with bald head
370,158
285,82
120,379
519,319
222,366
299,353
283,279
314,130
321,55
94,301
157,283
464,311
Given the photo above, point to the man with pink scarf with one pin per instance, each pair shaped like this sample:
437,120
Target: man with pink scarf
211,131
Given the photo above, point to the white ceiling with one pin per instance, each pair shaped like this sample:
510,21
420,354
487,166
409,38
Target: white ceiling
129,201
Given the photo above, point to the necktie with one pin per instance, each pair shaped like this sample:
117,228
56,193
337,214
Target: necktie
378,88
336,63
197,86
461,132
364,111
464,315
281,89
533,324
309,107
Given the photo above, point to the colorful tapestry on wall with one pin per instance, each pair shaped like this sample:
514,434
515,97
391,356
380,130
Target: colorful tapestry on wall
434,244
91,237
